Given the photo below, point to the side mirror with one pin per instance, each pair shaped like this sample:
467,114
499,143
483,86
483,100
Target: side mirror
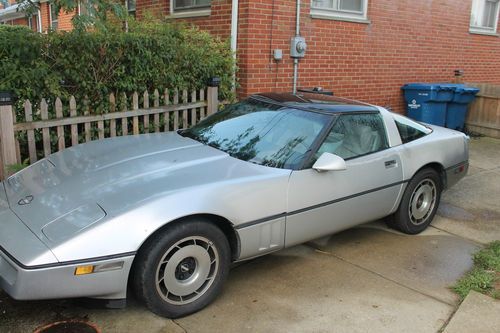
329,162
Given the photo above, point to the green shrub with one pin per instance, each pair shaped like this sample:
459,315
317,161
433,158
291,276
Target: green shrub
152,55
24,68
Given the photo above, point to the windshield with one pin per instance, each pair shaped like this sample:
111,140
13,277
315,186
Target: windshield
261,133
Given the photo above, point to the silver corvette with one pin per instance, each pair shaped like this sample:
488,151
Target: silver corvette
168,213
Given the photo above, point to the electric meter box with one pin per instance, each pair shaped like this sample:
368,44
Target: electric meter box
298,47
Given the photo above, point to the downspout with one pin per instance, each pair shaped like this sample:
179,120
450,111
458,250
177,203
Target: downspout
296,60
234,36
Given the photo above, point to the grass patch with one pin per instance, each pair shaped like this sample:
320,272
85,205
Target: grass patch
485,275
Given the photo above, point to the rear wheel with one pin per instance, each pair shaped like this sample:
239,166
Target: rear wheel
182,269
419,203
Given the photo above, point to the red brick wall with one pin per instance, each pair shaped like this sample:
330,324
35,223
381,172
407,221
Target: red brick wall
64,19
218,23
45,14
19,21
154,8
34,23
406,41
24,21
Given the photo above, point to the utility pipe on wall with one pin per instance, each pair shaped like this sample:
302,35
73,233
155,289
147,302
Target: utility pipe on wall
234,34
296,60
297,19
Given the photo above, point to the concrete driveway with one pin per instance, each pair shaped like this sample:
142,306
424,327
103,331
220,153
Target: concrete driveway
369,278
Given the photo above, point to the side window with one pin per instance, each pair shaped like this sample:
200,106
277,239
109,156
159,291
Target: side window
355,135
410,130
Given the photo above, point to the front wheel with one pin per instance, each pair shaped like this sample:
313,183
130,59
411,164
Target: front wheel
419,203
182,269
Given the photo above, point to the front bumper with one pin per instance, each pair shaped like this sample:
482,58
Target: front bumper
30,271
60,281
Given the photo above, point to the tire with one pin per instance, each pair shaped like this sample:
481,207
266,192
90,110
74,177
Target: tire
419,203
182,269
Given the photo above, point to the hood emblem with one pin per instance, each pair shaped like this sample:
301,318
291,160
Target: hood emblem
26,200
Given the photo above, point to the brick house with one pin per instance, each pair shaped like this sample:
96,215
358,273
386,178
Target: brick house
363,49
43,20
49,18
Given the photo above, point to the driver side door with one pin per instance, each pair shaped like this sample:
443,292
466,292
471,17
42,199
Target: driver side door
322,203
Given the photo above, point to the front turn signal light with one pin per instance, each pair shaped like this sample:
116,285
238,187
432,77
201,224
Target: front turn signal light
82,270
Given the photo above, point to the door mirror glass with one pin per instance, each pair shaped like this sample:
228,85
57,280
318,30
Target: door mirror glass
329,162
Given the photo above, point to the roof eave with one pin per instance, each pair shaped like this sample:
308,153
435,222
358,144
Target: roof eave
11,13
14,12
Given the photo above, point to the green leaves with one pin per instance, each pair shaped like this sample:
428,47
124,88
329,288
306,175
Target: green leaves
152,55
489,258
93,13
485,275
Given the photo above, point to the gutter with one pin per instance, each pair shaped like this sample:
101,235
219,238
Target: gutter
234,35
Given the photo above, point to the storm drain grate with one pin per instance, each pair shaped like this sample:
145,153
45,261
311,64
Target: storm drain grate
70,326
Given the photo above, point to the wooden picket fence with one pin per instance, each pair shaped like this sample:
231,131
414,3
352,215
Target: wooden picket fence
484,113
169,112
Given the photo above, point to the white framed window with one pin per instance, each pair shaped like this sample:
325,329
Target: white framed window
83,7
32,22
130,5
189,8
484,16
344,10
54,17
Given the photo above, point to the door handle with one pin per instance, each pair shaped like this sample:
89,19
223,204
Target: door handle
390,164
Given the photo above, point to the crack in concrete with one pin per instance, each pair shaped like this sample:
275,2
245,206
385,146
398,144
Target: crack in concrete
447,321
378,274
179,325
459,236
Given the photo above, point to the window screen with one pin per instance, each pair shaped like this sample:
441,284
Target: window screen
348,5
191,4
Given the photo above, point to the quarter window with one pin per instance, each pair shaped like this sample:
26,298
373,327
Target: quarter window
351,10
355,135
410,130
484,16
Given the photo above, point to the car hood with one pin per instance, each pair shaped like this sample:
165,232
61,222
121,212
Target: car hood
81,185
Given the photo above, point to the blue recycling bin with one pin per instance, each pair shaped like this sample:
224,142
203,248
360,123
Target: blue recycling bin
427,102
457,108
